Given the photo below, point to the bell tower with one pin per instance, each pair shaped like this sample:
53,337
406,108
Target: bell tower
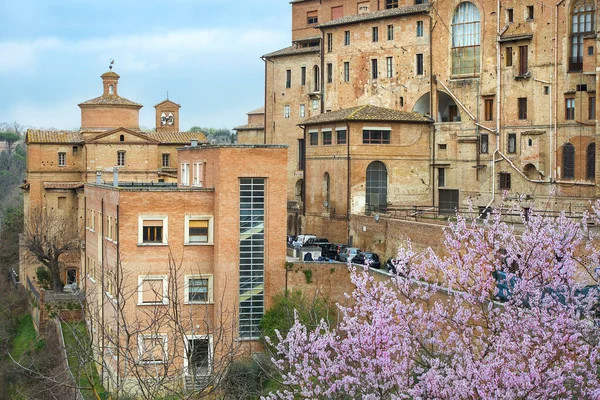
167,116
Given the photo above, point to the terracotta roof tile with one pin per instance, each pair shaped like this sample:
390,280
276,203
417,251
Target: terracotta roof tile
293,50
249,127
63,185
111,74
110,100
41,136
391,12
260,110
367,113
176,137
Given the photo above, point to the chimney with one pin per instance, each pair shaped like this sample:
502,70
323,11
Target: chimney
98,177
194,143
115,177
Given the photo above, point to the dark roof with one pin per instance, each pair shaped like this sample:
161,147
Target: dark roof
514,38
259,110
307,39
63,185
390,12
293,50
367,113
110,100
41,136
176,137
249,127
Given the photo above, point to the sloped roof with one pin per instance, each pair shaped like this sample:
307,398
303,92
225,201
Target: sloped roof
390,12
169,102
249,127
176,137
293,50
260,110
110,74
63,185
367,113
104,134
43,136
110,100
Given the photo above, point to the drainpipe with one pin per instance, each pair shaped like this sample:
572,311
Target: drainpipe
117,295
348,185
102,286
431,111
549,83
555,133
265,102
322,88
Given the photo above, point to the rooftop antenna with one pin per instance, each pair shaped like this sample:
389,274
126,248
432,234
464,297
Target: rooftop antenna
111,64
167,95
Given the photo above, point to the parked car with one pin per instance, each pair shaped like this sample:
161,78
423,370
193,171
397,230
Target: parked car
348,253
330,251
336,249
323,243
367,258
301,239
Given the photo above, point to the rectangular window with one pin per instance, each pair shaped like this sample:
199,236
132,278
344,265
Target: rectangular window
373,136
346,38
312,17
198,289
251,256
346,71
152,349
315,104
582,88
442,146
152,289
62,203
509,15
374,72
508,57
390,32
62,159
489,109
512,143
288,78
523,62
504,180
165,160
152,231
419,28
197,169
390,66
303,76
522,104
185,174
419,64
327,137
198,229
341,136
301,154
441,177
302,111
120,158
75,150
590,50
483,145
569,109
329,42
375,34
286,111
314,138
329,72
592,107
529,12
391,3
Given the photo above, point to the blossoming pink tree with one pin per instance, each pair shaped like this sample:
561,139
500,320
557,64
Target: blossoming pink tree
438,331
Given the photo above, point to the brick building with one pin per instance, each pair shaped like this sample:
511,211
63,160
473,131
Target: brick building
59,163
509,87
254,131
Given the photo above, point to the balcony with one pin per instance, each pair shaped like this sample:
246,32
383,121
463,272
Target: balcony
576,64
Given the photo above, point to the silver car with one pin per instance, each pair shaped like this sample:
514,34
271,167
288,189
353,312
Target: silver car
348,253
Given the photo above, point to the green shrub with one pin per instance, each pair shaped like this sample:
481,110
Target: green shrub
44,277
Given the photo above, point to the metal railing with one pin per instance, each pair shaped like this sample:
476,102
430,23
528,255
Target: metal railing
33,289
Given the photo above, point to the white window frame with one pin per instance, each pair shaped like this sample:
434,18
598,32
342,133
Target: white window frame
302,111
211,353
168,159
197,172
186,233
120,158
186,288
141,338
185,174
165,282
315,104
165,220
62,159
286,111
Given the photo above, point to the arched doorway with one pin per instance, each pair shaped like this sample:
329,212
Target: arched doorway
376,192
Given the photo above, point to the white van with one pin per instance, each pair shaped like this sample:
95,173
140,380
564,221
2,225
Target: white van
301,239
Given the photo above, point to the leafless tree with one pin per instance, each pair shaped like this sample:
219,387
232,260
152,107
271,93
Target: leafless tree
49,236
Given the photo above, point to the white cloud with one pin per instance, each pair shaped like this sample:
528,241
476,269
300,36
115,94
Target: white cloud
143,51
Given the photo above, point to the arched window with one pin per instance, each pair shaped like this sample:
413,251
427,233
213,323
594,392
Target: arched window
568,161
326,190
582,23
111,89
122,138
466,27
590,165
376,186
316,79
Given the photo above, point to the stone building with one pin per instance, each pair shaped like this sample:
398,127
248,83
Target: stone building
510,88
59,163
254,131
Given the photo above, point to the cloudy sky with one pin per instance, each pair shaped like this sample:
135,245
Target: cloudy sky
205,53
